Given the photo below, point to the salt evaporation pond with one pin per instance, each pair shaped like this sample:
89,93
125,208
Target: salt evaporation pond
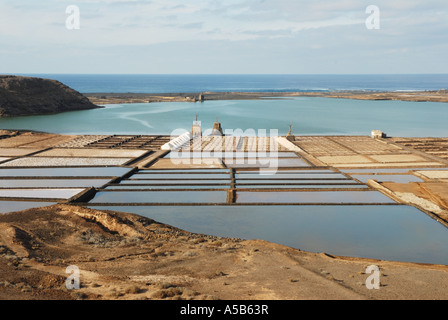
397,233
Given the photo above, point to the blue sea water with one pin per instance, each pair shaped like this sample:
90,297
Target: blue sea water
250,83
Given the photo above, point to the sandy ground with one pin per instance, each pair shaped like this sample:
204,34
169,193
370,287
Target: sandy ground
125,256
429,195
32,140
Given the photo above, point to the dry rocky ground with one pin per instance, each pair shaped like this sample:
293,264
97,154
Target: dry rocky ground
30,96
123,256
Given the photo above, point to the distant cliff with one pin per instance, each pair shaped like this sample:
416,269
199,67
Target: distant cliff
21,96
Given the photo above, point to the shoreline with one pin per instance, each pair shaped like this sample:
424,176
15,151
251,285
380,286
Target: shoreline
116,98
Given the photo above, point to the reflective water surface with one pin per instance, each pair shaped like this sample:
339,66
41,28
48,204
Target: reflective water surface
398,233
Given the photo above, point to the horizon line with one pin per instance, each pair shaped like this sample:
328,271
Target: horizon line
225,74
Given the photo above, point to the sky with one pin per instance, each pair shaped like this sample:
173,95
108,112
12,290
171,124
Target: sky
224,37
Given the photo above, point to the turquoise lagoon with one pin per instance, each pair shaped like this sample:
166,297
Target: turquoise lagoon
309,116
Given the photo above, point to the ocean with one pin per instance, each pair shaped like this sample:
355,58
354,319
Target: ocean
247,83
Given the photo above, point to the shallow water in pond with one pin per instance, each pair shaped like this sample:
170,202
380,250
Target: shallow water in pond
397,178
188,176
141,181
399,233
13,206
206,171
284,181
52,183
160,197
394,170
292,186
155,187
291,176
369,197
39,193
65,172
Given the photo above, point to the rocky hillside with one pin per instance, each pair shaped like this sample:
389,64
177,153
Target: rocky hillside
31,96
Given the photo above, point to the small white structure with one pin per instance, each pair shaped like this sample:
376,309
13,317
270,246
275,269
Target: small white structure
377,134
178,142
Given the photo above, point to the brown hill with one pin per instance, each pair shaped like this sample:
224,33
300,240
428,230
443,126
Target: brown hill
31,96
